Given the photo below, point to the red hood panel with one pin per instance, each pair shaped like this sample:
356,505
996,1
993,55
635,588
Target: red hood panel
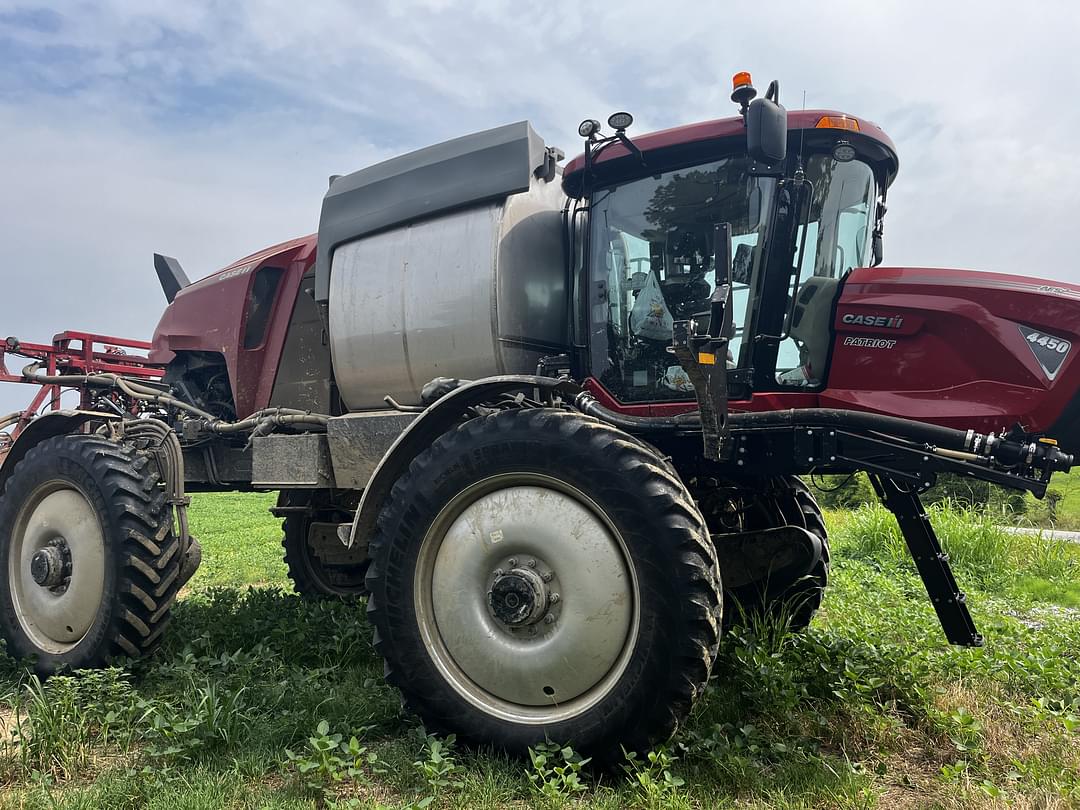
960,348
209,316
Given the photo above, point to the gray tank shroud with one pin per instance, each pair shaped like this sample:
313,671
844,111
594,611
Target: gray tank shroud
447,261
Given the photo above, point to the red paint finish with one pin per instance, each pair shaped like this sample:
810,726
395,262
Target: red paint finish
958,357
770,401
722,128
210,316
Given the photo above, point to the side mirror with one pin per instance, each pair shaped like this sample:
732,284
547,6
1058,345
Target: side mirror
766,130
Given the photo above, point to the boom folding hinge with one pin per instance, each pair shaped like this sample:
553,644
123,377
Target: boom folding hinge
933,564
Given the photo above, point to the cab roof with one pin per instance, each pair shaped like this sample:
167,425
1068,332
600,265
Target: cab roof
721,128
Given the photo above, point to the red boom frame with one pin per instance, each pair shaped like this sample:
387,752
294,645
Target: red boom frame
74,353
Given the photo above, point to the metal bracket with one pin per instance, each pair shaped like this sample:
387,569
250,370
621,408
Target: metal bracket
933,564
704,359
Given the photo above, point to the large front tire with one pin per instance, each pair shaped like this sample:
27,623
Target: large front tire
89,566
476,540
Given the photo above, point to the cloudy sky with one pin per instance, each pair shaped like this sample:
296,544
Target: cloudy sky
206,129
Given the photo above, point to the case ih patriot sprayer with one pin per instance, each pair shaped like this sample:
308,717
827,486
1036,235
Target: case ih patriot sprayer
549,419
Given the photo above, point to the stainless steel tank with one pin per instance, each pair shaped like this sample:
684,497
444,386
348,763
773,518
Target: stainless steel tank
474,290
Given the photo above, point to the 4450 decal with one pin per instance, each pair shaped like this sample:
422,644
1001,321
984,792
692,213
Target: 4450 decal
1049,351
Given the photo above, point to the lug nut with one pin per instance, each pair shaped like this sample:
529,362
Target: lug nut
554,598
549,619
531,563
512,562
547,576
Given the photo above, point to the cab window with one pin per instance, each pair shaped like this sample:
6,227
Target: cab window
652,264
837,235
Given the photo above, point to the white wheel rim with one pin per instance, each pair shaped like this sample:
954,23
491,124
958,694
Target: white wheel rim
568,656
57,618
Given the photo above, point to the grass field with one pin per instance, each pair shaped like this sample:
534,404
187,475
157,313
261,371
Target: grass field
256,699
1068,509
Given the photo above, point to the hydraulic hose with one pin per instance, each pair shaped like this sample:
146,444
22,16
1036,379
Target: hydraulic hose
590,406
171,461
1006,450
843,419
261,422
803,417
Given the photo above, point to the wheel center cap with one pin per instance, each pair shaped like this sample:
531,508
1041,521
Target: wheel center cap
50,566
518,598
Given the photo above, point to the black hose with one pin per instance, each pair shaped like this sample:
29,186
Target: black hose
266,419
588,405
845,420
804,417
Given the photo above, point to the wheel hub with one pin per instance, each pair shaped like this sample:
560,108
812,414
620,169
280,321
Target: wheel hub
56,566
526,598
518,598
50,567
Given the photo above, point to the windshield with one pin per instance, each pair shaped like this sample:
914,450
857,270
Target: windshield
652,264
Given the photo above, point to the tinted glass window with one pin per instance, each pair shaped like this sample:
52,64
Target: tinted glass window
652,264
260,304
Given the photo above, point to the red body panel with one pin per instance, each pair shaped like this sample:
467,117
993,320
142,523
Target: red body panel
210,316
960,358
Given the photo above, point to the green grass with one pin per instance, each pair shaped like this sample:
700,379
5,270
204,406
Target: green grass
241,542
1022,565
869,708
1068,509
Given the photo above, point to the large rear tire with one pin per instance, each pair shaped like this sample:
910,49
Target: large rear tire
89,566
539,575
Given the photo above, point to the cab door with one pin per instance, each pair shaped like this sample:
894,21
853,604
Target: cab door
833,238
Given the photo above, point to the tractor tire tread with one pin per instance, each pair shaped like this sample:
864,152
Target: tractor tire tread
140,546
690,560
298,565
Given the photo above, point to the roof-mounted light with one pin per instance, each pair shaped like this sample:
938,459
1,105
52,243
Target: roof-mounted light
843,152
588,128
742,90
620,121
837,122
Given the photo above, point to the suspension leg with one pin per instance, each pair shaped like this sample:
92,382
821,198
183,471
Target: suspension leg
933,564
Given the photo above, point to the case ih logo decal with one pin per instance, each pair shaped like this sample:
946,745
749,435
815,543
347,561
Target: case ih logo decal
882,321
1048,350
